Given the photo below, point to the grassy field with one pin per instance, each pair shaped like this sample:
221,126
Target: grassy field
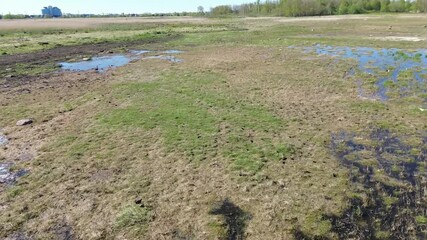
250,137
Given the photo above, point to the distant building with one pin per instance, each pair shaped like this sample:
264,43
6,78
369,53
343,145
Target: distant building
51,12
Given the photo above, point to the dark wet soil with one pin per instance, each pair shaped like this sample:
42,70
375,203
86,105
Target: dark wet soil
389,179
50,57
63,51
235,218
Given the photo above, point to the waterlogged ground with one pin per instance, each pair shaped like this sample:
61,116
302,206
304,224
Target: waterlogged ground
258,128
393,71
388,174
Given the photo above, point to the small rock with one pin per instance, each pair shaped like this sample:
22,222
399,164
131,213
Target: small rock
87,59
138,200
24,122
281,183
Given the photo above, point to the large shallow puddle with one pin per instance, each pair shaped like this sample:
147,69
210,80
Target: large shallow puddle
394,71
101,64
98,63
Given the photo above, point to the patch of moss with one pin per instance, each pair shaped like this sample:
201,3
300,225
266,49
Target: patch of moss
421,219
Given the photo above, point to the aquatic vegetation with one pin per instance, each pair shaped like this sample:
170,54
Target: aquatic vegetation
387,67
388,177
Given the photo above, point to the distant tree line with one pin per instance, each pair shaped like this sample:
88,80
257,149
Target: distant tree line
288,8
295,8
13,16
70,15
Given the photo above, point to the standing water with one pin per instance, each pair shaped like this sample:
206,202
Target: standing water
101,64
394,69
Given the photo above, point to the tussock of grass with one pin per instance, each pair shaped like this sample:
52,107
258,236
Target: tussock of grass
134,220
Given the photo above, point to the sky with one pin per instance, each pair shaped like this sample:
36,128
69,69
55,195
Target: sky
31,7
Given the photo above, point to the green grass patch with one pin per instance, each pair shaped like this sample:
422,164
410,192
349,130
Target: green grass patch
421,219
198,117
134,220
316,226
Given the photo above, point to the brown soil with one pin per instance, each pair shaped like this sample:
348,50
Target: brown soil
57,54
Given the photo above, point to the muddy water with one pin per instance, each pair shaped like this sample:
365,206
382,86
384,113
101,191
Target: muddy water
389,179
101,64
386,65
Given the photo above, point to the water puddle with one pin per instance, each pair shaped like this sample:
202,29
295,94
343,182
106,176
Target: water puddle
101,64
172,52
139,52
388,175
3,139
395,72
168,58
7,176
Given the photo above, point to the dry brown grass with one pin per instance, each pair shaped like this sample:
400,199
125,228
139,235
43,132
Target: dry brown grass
64,23
84,173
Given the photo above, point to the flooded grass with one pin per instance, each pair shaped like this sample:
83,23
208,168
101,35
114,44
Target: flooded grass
389,178
395,71
8,175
